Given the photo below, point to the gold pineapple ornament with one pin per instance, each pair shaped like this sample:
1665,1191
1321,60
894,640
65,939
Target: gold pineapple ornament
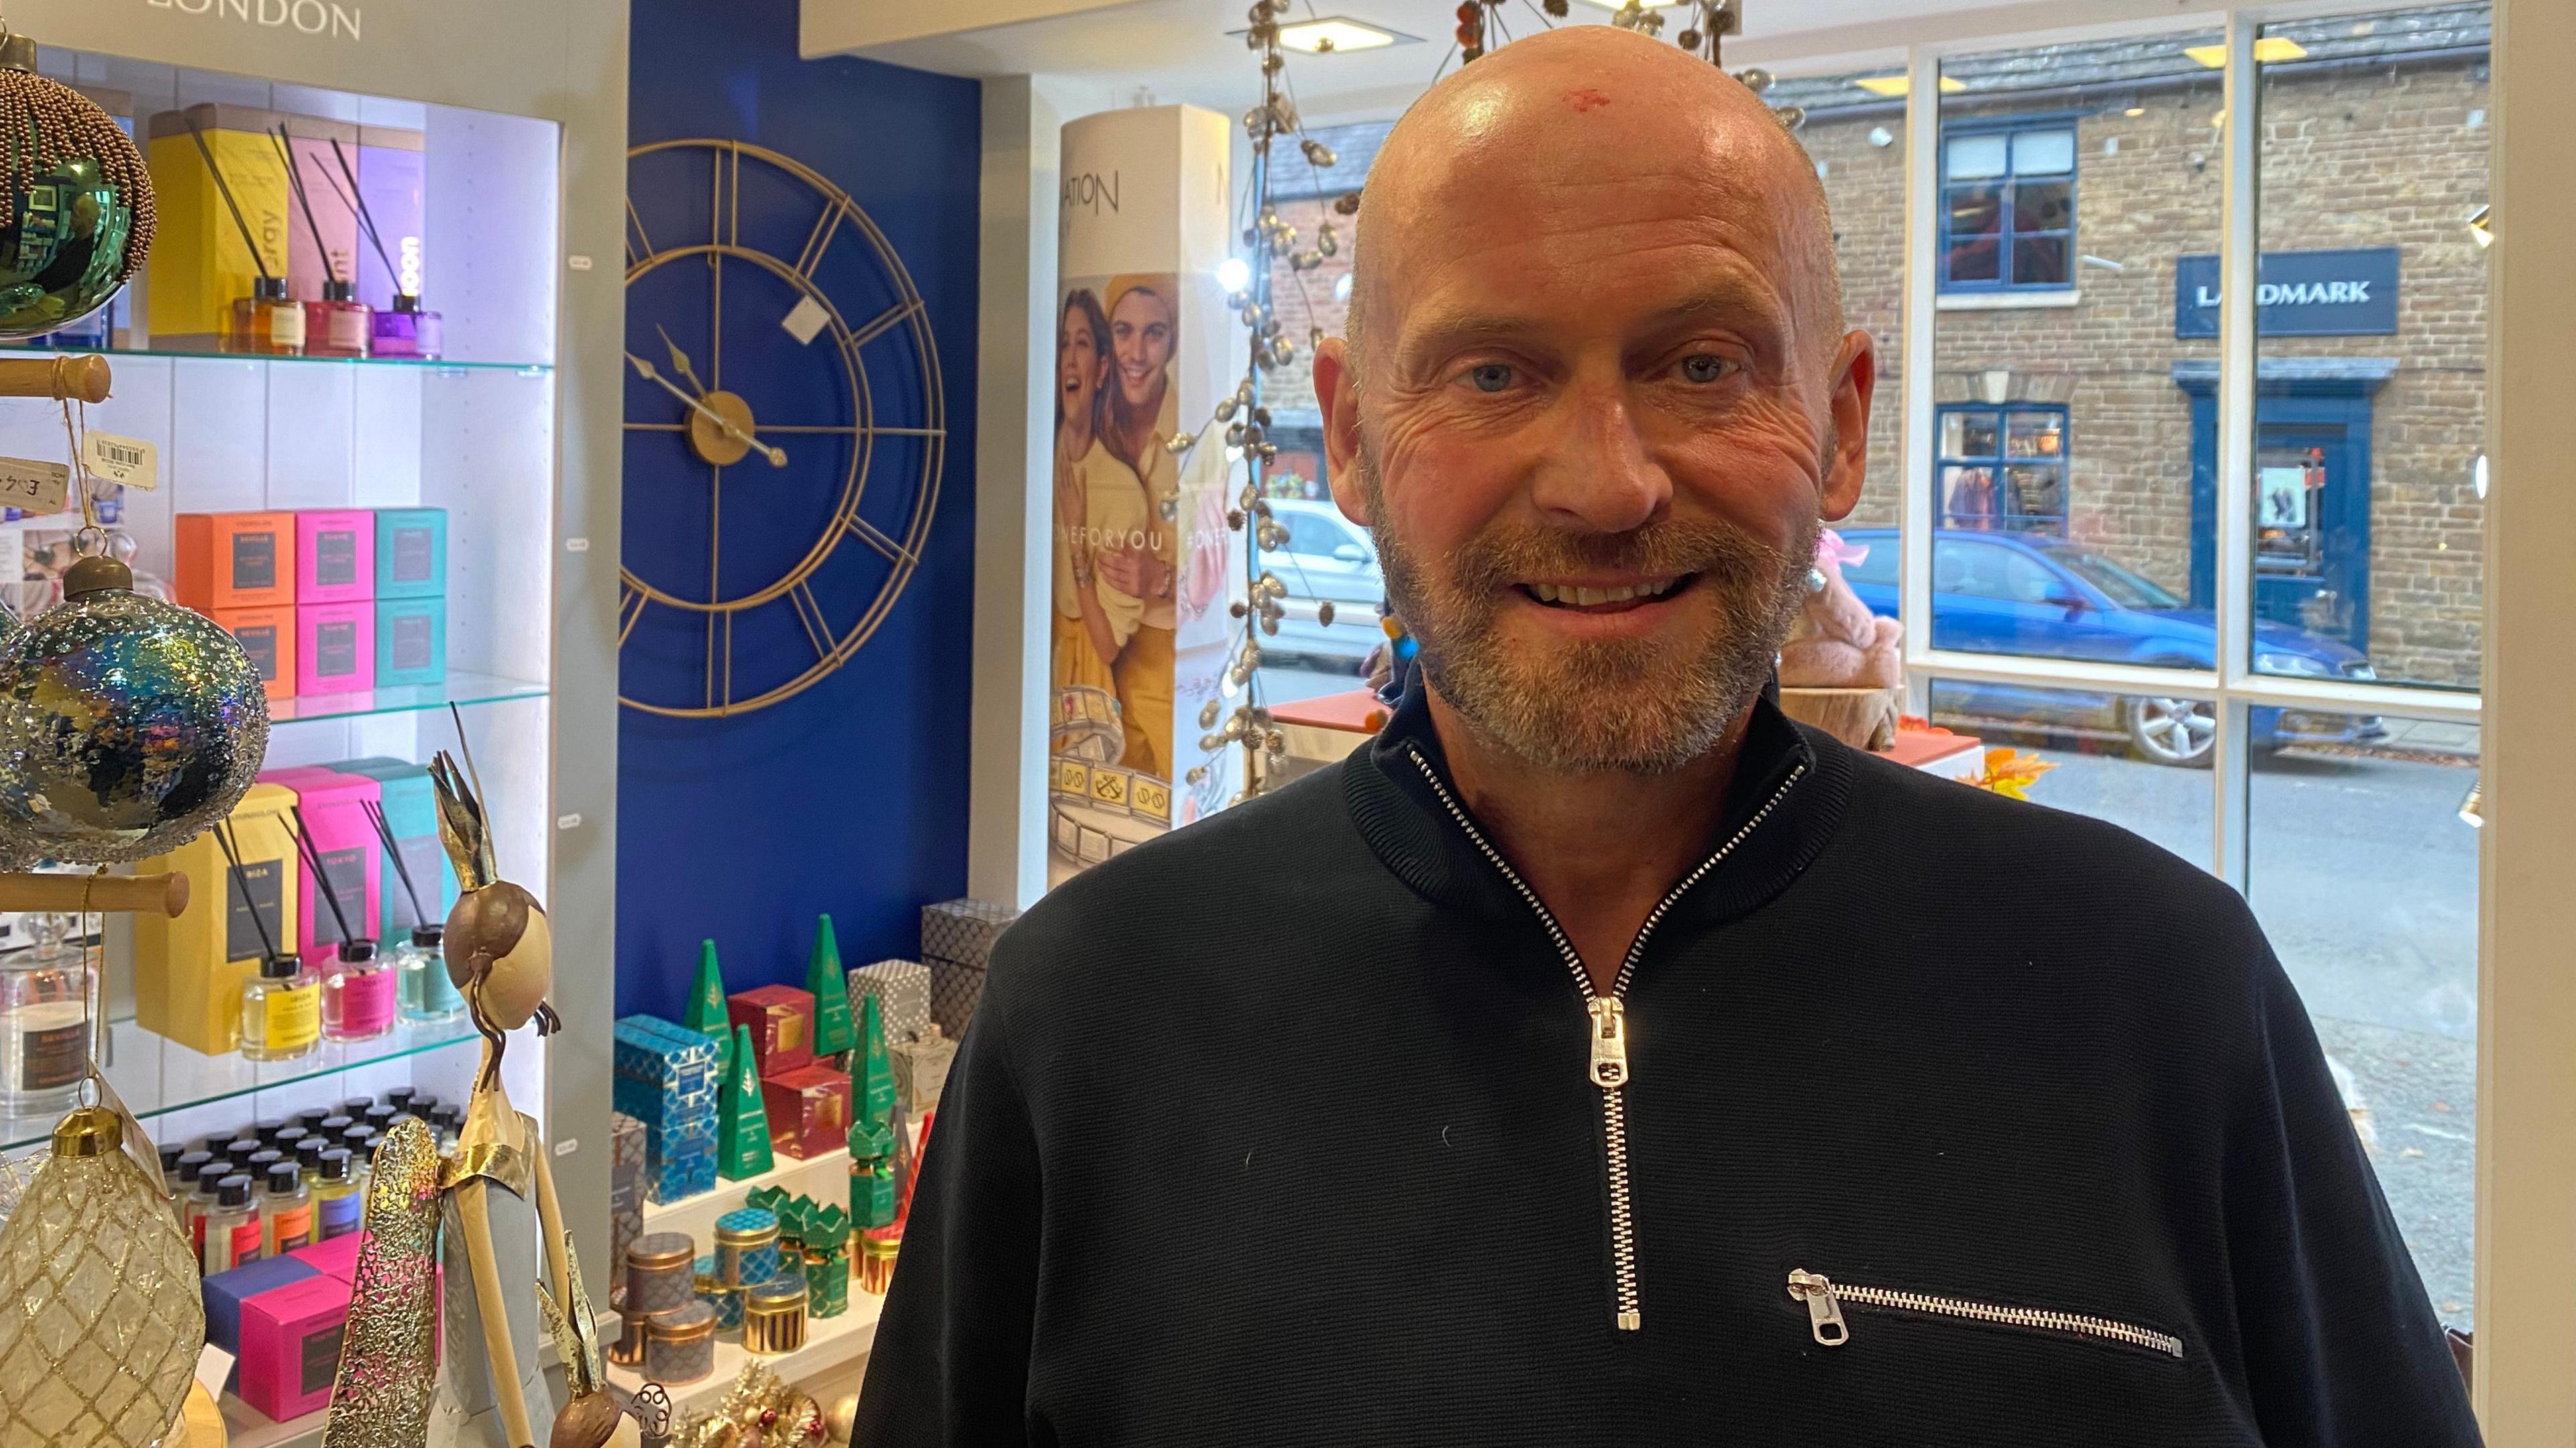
100,1321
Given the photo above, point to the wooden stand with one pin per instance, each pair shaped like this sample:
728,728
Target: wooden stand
64,378
71,894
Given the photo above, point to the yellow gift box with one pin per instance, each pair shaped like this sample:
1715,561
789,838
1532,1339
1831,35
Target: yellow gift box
200,264
188,972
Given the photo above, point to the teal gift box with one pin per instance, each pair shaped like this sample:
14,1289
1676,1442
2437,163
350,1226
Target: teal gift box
411,641
411,552
411,811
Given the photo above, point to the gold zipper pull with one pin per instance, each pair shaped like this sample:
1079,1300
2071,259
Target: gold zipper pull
1609,1043
1824,1312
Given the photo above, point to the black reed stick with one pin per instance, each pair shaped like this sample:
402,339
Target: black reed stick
393,852
225,188
295,183
358,204
224,836
322,877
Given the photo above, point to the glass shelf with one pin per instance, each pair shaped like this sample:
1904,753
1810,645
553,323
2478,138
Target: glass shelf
156,1075
211,355
459,687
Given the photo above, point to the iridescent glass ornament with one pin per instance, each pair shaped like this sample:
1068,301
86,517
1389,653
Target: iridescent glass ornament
127,725
104,1322
76,210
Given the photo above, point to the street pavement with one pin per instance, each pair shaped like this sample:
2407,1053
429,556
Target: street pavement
2365,879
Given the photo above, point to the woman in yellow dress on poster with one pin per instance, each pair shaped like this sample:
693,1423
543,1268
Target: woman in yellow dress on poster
1139,415
1099,506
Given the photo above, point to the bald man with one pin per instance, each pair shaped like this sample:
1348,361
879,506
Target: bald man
1599,1058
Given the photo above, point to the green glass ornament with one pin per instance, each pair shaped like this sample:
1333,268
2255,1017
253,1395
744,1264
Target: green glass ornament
830,986
742,1130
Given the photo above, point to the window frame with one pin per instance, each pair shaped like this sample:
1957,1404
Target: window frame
2001,459
2010,127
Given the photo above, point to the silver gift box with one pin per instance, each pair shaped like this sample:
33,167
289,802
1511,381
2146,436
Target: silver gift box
902,989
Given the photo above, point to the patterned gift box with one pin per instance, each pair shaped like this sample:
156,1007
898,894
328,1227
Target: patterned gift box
963,930
654,1051
694,1138
661,1108
625,1192
675,1178
902,989
921,1070
957,939
625,1140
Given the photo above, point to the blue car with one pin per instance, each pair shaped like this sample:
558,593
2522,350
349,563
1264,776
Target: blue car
2019,593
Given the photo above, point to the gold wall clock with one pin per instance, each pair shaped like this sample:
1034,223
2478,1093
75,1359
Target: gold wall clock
768,419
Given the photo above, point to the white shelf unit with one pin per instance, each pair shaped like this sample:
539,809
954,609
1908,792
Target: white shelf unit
474,434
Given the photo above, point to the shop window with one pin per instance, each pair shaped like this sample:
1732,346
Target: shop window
2002,468
2008,207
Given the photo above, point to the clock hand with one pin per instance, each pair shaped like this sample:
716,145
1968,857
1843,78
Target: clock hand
680,363
777,456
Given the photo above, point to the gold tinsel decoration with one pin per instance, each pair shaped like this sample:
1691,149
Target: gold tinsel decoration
758,1411
43,124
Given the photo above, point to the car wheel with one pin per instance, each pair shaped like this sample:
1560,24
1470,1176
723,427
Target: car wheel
2177,732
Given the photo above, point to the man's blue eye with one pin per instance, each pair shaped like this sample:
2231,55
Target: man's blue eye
1701,367
1490,376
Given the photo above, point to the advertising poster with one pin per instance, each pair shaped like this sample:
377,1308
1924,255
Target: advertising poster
1143,561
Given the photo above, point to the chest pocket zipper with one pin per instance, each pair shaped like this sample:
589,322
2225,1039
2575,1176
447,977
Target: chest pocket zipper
1826,1299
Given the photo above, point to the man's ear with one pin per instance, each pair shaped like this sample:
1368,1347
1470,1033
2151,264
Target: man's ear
1855,378
1337,391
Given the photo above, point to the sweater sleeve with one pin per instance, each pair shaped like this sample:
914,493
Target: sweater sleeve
2340,1344
951,1359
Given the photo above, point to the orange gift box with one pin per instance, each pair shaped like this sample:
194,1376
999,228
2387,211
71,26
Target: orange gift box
268,636
236,560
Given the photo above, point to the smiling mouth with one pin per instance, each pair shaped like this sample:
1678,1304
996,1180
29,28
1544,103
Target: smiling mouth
1618,598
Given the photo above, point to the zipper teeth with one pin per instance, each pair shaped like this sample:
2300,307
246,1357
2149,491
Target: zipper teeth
1614,1100
2037,1317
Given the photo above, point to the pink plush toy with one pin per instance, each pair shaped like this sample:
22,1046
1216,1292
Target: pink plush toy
1837,642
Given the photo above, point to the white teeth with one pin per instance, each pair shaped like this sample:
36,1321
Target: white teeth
1586,597
1620,595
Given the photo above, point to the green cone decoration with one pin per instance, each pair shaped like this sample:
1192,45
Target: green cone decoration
831,991
874,1079
742,1130
707,1014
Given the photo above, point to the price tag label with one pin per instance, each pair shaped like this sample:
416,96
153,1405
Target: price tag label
34,488
213,1366
128,462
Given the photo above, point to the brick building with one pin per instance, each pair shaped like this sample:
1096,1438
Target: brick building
2075,334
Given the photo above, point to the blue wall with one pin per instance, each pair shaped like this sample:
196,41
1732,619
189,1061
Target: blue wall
851,797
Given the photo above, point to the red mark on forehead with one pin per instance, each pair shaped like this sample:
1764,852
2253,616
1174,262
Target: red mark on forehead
1586,99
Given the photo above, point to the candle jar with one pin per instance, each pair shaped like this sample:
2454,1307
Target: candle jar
726,1299
628,1350
357,995
658,1275
44,1021
773,1317
680,1344
877,1249
267,322
746,1247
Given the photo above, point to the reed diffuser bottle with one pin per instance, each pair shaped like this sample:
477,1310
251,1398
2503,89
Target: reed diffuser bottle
44,1019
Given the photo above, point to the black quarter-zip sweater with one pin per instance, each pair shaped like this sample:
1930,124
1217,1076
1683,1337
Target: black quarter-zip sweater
1292,1128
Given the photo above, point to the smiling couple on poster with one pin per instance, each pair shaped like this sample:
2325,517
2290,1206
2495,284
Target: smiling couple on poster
1116,563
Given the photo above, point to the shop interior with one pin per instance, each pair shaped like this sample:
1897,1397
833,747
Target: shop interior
566,572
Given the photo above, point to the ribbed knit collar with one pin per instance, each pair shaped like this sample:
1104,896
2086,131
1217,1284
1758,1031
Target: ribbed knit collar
1411,829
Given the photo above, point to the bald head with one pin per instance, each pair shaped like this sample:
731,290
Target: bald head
1584,118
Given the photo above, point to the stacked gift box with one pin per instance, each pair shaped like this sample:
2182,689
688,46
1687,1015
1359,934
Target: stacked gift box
806,1104
667,1079
283,1318
957,944
325,600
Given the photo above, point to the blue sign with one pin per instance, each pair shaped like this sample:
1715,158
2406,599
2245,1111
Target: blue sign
2297,293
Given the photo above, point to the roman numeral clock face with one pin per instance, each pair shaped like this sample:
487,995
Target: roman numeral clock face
784,429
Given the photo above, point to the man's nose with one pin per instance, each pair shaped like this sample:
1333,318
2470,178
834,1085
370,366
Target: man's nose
1597,475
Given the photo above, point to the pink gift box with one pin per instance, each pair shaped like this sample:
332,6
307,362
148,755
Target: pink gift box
335,647
290,1346
335,556
334,809
333,1256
